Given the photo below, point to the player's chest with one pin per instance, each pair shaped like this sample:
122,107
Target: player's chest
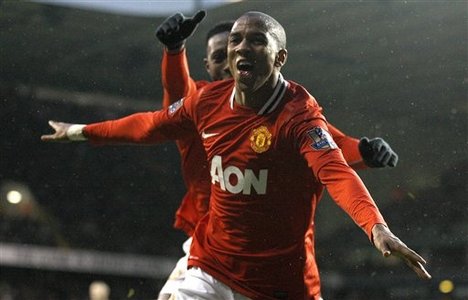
241,138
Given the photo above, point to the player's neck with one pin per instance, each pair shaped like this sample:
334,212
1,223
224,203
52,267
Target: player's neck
255,98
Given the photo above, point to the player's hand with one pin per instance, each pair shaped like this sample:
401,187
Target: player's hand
177,28
377,153
388,244
60,134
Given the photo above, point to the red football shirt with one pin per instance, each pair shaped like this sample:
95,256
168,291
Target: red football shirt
178,83
268,170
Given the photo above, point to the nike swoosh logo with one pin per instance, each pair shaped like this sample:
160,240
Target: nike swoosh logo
208,135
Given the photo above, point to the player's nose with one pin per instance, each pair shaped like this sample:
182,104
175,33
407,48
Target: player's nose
243,47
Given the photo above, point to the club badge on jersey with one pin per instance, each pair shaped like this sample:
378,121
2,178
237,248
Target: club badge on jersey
260,139
175,106
321,139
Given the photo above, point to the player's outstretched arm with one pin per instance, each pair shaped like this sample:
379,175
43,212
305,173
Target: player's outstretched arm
389,244
377,153
177,28
138,128
64,132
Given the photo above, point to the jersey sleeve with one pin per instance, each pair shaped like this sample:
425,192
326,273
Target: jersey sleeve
327,162
349,147
176,79
172,123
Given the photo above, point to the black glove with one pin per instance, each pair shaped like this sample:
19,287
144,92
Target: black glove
177,28
377,153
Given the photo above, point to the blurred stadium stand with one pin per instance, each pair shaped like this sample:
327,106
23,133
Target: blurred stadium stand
387,68
76,211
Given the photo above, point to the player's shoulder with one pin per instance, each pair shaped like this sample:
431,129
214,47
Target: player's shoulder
219,84
215,89
201,83
209,94
299,98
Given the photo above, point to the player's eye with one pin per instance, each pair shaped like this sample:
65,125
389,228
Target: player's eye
259,40
234,39
219,57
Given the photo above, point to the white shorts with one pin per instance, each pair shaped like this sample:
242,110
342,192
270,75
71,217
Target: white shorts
199,285
178,274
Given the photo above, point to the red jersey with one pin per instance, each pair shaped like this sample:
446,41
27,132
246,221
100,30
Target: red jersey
268,169
177,83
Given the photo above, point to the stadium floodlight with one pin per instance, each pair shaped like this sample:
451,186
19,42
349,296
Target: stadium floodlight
14,197
17,199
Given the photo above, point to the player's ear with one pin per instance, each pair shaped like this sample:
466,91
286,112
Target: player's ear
281,58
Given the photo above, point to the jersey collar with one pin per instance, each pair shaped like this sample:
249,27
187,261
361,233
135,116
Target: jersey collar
274,100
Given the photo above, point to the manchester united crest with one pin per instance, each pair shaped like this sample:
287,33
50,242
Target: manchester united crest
260,139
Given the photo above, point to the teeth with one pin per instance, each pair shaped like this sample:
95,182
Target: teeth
244,65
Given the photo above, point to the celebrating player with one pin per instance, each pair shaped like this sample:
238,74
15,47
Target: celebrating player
270,157
177,83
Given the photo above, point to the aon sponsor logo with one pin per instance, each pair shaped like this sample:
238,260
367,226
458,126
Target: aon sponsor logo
244,182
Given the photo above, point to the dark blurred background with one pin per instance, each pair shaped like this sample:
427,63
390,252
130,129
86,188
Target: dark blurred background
71,214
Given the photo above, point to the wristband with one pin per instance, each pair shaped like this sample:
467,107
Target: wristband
75,132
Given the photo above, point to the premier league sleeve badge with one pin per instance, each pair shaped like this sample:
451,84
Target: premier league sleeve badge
321,139
175,106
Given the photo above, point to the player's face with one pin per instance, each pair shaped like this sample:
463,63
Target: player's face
216,59
252,51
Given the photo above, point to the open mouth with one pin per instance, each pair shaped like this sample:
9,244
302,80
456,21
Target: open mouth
244,66
245,69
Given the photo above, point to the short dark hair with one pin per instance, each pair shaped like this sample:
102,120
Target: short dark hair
272,25
221,27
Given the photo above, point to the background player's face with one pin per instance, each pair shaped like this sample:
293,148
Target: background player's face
251,53
216,58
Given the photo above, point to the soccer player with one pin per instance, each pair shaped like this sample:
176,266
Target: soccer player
270,157
177,83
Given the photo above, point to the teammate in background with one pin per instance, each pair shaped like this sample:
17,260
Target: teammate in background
270,155
177,83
